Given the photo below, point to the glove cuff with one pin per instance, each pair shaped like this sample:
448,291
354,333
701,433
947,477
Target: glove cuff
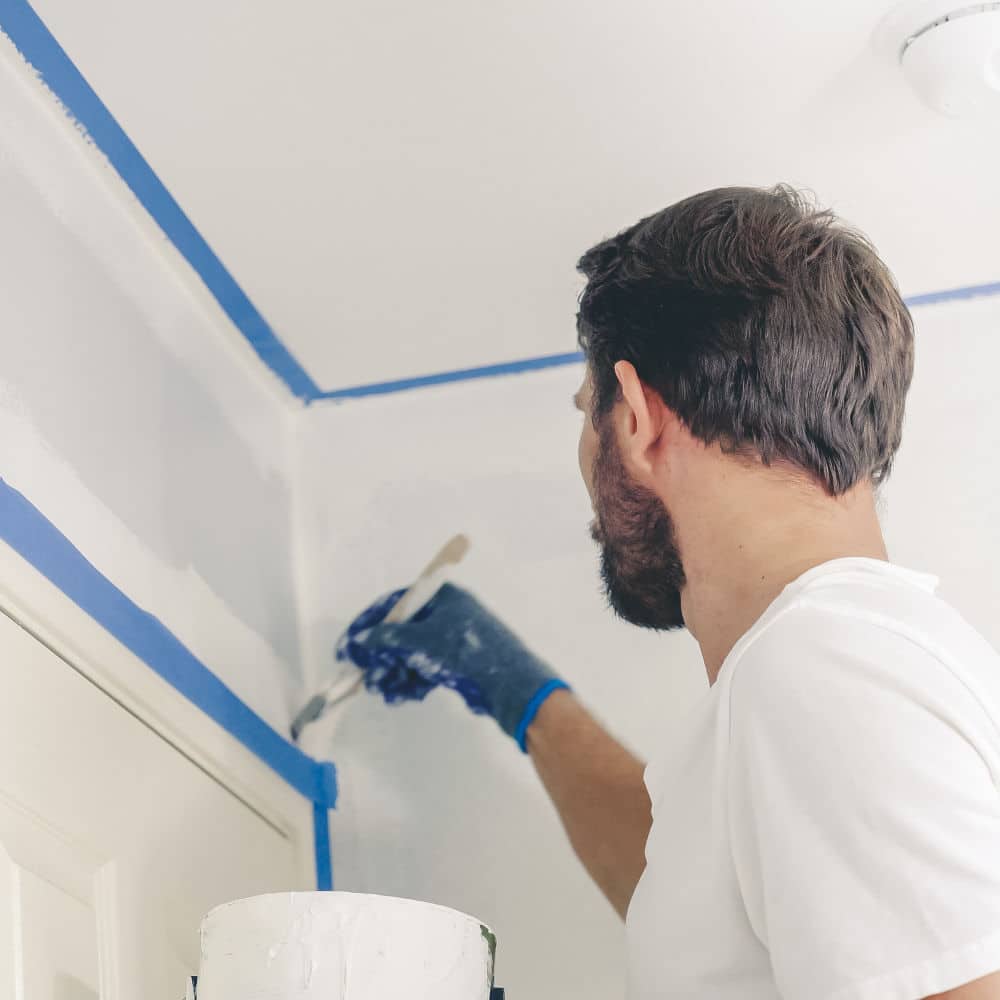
520,733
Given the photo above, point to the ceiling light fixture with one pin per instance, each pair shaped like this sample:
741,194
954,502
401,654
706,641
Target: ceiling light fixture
950,55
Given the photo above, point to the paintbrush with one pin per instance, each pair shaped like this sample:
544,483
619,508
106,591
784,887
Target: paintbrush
338,690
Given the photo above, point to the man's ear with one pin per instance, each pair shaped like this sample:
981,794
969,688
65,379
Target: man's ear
643,421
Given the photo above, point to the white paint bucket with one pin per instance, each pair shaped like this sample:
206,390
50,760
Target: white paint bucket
343,946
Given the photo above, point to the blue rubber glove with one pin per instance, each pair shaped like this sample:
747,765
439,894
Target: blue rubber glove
453,642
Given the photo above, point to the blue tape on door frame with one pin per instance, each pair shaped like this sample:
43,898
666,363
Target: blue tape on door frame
39,541
37,45
321,839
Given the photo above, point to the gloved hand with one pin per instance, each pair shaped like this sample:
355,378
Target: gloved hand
454,642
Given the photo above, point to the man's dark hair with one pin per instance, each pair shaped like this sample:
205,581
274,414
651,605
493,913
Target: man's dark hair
764,324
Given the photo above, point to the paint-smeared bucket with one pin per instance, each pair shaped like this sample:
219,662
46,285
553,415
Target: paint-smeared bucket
343,946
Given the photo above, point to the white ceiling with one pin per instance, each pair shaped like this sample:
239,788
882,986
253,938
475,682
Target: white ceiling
404,188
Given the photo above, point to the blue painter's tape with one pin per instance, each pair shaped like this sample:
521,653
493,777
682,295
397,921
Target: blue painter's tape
321,839
37,45
576,357
954,294
29,532
531,710
461,375
326,783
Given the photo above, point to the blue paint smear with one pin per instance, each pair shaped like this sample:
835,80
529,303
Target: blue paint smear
30,533
37,45
321,840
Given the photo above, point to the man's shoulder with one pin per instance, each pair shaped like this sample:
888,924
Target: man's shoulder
848,609
869,645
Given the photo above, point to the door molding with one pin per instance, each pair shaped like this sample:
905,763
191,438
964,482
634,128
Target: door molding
49,588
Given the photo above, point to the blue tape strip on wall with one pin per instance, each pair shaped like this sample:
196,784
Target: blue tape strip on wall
954,294
321,836
39,541
576,357
459,375
38,46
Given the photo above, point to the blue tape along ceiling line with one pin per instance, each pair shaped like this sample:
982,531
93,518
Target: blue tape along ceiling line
460,375
39,47
41,50
576,357
954,295
26,530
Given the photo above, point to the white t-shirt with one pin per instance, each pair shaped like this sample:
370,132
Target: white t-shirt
826,825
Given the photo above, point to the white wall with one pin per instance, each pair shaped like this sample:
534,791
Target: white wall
439,804
942,502
132,415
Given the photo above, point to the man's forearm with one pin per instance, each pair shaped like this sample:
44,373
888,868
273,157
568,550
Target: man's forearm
597,787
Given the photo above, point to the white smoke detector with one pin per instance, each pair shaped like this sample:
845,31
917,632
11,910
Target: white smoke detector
949,54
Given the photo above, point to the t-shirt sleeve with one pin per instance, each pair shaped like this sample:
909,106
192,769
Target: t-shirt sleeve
863,812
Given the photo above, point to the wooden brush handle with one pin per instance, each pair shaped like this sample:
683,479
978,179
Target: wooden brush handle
452,553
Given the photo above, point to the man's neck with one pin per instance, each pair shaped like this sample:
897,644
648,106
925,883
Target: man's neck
739,557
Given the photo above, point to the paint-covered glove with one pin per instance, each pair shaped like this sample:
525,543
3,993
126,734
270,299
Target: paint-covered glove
454,642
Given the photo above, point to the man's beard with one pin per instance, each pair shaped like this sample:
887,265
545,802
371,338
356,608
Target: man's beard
640,562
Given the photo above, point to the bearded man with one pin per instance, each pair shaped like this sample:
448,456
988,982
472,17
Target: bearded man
826,825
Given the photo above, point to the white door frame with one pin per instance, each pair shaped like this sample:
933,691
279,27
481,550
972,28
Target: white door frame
42,578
